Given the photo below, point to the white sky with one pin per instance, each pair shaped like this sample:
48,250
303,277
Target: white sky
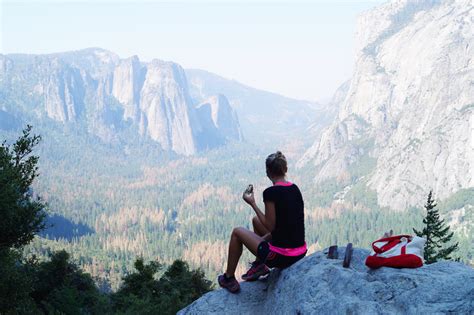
301,49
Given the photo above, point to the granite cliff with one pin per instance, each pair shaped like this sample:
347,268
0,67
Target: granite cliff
405,115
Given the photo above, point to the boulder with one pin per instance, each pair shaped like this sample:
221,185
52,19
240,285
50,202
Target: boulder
318,285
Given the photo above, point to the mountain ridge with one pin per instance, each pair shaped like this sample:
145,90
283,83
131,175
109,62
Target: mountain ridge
96,87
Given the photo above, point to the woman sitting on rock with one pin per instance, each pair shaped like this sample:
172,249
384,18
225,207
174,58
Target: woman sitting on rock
277,239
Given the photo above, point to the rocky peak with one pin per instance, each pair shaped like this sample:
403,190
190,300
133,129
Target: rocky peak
317,285
128,78
222,115
167,113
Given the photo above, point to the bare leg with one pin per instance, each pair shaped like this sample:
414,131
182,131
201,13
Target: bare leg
258,227
240,236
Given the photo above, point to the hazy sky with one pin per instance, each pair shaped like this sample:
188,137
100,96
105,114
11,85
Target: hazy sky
302,49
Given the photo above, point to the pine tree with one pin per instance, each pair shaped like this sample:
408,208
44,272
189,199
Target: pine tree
23,215
436,233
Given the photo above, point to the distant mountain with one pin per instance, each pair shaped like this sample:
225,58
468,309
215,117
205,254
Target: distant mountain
114,98
403,122
219,119
264,116
123,100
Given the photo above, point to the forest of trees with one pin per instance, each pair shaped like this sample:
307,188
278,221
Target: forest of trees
57,285
119,205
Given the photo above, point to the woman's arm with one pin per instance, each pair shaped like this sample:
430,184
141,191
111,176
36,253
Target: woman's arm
267,219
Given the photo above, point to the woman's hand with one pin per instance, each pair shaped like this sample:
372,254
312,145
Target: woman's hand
248,198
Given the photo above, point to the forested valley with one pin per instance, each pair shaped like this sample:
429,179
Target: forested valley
108,207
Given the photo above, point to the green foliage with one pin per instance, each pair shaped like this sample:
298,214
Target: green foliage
358,227
61,287
365,163
26,287
436,233
57,285
22,218
22,215
51,287
323,193
141,293
137,286
361,195
16,281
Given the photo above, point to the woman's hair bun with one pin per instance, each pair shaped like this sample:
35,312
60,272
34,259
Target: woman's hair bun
276,164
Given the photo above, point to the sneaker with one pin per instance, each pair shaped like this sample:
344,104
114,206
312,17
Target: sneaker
231,284
256,270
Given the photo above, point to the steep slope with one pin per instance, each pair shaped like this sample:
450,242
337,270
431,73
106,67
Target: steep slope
166,109
317,285
329,115
111,97
406,114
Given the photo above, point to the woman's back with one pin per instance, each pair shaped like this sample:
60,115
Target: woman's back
283,218
289,213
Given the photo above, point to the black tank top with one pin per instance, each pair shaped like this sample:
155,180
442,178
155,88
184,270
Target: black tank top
289,212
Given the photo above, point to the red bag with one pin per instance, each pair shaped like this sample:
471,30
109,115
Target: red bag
400,251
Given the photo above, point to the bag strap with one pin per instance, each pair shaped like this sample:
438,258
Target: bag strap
404,249
392,241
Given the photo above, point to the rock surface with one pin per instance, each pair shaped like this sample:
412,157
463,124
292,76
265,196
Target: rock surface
406,112
317,285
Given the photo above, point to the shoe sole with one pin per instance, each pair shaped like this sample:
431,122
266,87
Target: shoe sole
255,276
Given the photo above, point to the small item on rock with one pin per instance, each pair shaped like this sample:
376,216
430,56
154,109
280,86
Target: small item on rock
348,256
332,254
